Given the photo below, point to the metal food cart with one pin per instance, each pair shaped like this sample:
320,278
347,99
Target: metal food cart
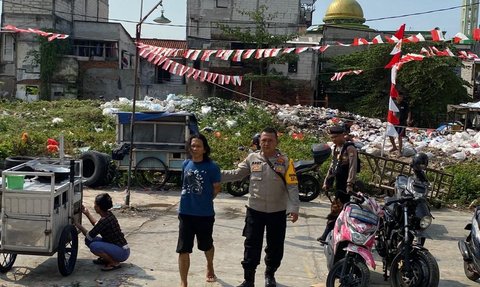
37,216
158,145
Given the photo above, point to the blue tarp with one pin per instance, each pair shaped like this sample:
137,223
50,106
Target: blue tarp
125,117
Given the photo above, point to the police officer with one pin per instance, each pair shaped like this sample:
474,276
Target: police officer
342,171
273,194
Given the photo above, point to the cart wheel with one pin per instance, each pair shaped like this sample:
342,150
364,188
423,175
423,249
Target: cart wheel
6,261
67,250
151,172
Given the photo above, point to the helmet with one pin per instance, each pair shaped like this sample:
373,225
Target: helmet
256,140
419,161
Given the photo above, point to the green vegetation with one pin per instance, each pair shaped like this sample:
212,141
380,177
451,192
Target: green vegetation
233,125
431,83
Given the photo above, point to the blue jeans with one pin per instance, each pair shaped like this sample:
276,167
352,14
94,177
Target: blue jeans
97,245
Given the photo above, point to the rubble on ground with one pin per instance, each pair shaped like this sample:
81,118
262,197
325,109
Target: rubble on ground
444,147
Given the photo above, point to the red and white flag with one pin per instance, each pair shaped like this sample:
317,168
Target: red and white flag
459,37
248,53
206,55
259,53
300,50
288,50
377,40
437,35
227,55
238,56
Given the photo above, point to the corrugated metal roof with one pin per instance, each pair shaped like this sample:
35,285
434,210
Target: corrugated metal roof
175,44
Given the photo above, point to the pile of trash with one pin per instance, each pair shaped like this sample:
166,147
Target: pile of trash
368,133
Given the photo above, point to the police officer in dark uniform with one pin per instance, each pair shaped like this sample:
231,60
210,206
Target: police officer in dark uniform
342,171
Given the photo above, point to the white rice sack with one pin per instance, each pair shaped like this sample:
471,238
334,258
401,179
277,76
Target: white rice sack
459,155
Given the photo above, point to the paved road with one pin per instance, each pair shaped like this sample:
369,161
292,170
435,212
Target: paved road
152,228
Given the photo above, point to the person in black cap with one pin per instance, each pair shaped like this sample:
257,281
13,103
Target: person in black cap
342,171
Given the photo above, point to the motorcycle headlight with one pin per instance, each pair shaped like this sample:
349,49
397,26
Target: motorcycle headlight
425,222
358,238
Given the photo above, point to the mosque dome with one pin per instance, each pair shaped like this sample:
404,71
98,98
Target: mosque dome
343,12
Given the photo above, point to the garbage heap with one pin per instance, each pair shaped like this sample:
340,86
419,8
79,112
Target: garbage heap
442,145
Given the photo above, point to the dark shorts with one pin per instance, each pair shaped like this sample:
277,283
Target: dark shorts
401,131
191,226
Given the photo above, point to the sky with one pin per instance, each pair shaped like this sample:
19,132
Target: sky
175,10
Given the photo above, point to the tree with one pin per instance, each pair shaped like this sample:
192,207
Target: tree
431,83
258,38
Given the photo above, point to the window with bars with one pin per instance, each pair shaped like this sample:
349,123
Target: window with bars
8,48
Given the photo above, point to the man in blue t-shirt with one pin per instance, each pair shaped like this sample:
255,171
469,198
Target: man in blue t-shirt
200,185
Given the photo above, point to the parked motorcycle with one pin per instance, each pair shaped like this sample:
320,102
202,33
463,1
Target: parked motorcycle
470,248
349,245
308,173
401,235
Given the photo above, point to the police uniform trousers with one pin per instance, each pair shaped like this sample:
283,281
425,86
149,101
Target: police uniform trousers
256,222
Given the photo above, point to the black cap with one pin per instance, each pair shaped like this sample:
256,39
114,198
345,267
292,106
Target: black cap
336,130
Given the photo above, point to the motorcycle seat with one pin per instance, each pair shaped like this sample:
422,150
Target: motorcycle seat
303,164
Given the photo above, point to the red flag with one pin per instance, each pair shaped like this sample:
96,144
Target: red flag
476,34
437,35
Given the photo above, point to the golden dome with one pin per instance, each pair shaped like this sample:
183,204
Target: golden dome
344,10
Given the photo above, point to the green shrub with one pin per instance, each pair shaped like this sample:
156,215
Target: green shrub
466,184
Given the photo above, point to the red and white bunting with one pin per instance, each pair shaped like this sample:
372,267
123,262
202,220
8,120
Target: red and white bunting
50,36
339,75
360,42
190,72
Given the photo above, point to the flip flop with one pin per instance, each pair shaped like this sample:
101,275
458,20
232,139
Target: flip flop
211,278
99,261
110,268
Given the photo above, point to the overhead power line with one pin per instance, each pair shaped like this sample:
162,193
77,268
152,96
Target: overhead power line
271,24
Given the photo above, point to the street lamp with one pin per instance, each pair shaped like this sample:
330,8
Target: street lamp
161,20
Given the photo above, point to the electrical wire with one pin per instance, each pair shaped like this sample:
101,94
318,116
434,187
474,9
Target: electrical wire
270,24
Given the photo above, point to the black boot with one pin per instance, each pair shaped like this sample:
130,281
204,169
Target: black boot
249,276
270,279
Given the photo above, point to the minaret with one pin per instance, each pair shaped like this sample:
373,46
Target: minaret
469,16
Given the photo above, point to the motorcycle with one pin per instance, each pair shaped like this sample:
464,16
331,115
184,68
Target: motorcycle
349,245
470,248
308,175
401,236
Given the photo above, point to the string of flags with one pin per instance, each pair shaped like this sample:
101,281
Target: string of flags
152,55
226,55
339,75
50,36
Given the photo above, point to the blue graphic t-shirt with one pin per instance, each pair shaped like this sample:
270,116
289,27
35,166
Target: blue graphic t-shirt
197,187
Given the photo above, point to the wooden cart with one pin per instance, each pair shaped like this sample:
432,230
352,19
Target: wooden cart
37,219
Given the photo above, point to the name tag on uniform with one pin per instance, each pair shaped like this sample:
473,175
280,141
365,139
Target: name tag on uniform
256,167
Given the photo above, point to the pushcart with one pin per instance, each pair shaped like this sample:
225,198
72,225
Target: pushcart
158,143
39,210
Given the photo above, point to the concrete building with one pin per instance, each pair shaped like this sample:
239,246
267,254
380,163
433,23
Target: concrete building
99,61
289,17
155,81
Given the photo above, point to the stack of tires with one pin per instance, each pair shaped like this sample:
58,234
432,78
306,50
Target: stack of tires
97,168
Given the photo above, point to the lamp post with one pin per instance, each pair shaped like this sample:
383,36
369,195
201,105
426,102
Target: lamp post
138,29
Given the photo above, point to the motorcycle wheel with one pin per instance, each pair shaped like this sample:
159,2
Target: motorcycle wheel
239,188
356,273
308,187
469,271
424,270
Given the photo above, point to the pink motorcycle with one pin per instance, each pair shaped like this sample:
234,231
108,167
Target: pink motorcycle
349,245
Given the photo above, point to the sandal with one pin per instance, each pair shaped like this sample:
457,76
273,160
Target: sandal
99,261
110,268
211,278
